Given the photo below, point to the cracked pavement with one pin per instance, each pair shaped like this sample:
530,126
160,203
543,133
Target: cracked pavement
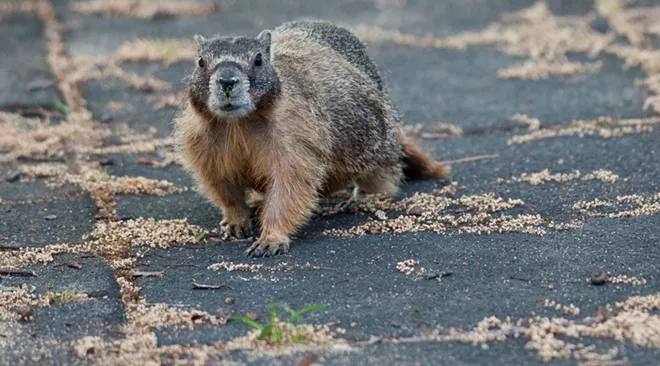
556,175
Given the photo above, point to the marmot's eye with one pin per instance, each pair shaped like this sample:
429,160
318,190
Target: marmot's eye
257,60
200,62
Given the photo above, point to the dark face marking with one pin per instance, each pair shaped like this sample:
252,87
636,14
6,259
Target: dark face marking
228,60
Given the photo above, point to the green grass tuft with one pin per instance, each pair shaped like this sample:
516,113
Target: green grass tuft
272,329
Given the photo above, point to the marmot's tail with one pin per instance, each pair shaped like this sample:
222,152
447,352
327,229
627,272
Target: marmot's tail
418,164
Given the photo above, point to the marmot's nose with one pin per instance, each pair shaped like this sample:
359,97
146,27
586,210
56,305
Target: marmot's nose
227,83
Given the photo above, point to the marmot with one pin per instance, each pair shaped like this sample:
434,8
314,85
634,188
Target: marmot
295,114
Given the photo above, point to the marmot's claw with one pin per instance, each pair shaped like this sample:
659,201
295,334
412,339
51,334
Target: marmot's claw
346,205
350,202
239,231
266,249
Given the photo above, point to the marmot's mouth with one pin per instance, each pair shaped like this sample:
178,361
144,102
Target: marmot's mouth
230,107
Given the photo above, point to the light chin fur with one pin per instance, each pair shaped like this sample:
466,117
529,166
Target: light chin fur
236,113
246,107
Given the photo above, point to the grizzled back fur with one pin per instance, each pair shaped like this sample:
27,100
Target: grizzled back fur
341,40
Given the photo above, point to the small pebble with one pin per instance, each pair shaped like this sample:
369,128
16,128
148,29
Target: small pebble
223,313
50,217
145,161
25,312
416,211
13,176
598,278
105,118
230,300
146,87
40,84
105,162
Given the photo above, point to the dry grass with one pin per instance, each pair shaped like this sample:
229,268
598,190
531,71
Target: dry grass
141,348
638,25
542,69
432,131
316,337
22,295
144,9
38,255
437,212
623,206
167,51
545,176
565,309
632,322
603,127
103,188
154,316
533,32
95,68
35,139
60,64
376,34
18,6
534,124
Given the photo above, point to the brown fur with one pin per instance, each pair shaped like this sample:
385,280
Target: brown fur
330,125
418,164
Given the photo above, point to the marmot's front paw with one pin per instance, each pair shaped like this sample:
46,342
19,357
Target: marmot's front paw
238,229
268,246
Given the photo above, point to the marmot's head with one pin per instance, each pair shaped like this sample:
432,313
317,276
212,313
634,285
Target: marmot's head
233,76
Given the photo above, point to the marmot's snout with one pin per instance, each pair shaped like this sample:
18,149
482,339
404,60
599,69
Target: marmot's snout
229,91
228,76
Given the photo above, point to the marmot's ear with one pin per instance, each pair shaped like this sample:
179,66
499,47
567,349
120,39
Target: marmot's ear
264,38
201,40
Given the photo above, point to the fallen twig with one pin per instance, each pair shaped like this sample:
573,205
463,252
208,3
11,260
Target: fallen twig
147,274
181,265
19,273
9,247
472,158
515,278
197,286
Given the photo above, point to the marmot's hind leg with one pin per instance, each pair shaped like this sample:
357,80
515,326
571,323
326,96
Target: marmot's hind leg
347,204
255,200
380,181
